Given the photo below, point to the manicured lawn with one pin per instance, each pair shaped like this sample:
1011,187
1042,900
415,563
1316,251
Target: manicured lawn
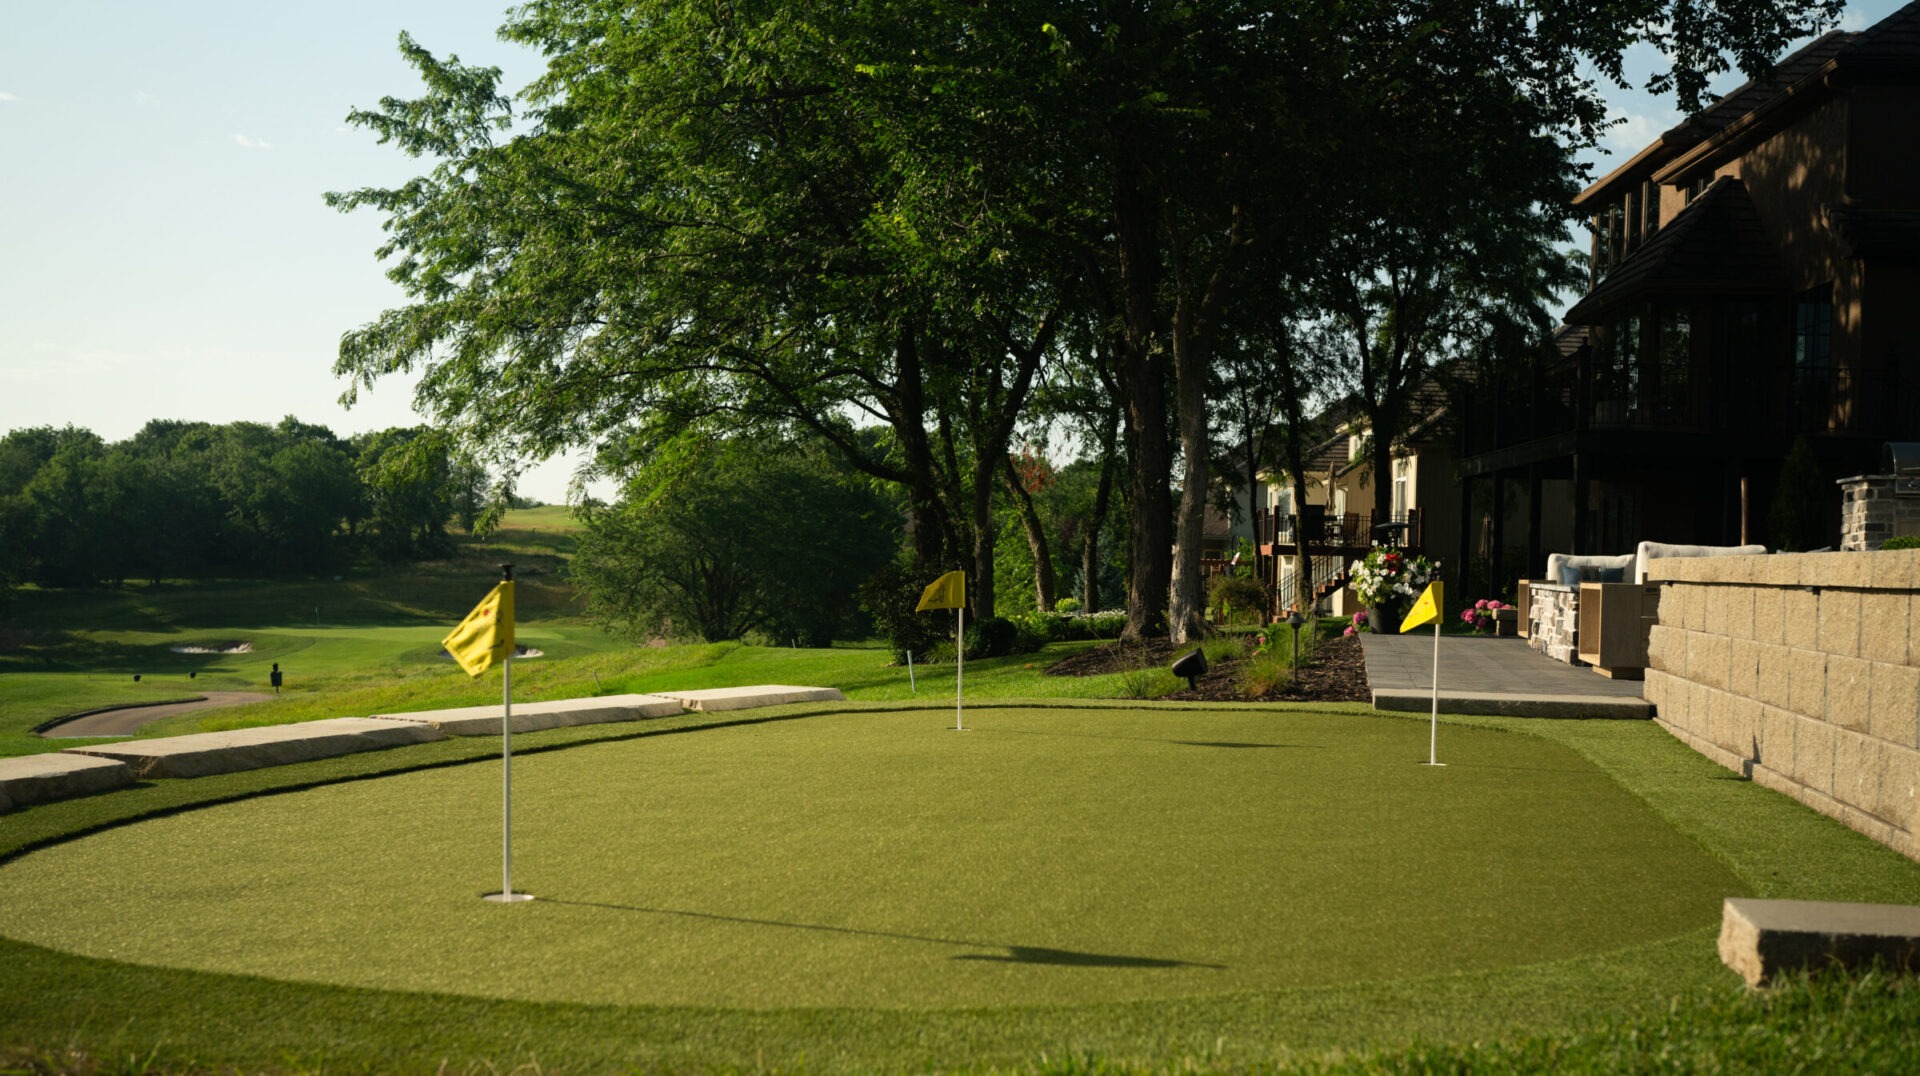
863,889
876,859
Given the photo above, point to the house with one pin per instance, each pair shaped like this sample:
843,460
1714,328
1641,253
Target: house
1754,278
1336,519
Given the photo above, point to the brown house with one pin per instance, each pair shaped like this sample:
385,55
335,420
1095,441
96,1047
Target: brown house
1755,277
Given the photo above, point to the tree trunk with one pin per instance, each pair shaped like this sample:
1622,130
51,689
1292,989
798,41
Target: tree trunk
985,533
1187,601
1090,545
1143,383
1043,581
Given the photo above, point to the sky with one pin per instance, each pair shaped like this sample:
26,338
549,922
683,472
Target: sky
164,248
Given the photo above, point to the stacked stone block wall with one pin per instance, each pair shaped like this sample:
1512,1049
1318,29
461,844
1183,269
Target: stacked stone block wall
1801,671
1553,622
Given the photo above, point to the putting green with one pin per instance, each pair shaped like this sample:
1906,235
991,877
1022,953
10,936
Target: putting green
1048,856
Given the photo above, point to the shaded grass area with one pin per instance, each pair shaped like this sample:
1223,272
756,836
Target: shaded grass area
876,859
1669,1000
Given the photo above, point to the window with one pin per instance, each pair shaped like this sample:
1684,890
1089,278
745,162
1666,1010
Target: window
1813,330
1672,388
1399,489
1650,202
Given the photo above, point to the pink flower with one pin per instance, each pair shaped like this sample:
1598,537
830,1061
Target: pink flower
1350,631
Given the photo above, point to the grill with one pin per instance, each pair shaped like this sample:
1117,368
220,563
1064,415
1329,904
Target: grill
1901,459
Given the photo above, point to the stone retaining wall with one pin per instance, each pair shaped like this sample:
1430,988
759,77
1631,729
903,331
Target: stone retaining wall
1803,672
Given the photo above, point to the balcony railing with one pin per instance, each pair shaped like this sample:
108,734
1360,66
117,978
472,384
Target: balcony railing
1347,530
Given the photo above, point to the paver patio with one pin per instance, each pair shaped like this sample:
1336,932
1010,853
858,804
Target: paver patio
1481,674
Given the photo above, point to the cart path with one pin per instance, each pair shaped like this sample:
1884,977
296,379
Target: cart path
126,720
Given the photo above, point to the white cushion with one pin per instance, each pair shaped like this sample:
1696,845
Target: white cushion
1650,550
1557,561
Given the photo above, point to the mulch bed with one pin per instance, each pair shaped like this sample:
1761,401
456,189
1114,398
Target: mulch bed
1337,674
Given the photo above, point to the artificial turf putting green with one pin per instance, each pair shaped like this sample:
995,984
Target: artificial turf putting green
879,860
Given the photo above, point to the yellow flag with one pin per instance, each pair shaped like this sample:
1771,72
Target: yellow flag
486,636
1425,610
947,592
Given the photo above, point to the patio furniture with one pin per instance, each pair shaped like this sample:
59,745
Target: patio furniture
1650,551
1616,620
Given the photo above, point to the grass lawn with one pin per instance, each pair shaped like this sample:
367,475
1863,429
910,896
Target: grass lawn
1070,886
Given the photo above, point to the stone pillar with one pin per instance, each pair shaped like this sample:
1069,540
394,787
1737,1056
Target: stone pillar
1873,510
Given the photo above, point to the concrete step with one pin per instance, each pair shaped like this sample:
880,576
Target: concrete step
1762,938
551,714
33,779
742,698
1512,704
204,753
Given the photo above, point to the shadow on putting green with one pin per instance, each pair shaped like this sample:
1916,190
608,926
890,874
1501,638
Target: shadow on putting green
1155,739
1015,954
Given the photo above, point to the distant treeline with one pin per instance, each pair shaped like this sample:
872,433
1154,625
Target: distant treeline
193,499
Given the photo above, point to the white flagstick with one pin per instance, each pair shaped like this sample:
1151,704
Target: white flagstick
960,664
1433,732
911,682
506,894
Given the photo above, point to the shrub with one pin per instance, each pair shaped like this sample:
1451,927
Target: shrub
992,638
1902,541
1067,605
1241,592
889,596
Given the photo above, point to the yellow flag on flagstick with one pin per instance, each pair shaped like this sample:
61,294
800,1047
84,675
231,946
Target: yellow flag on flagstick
1425,610
486,636
947,592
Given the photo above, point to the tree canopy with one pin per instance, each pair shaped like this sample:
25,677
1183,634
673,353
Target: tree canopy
809,218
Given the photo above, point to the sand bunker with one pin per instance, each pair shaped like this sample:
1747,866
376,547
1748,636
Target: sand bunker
518,653
213,648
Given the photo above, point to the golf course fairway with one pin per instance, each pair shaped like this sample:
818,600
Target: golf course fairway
881,860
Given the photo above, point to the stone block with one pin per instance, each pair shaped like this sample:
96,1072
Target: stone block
1739,612
1896,785
1769,606
204,753
1761,939
1776,738
1895,569
1667,694
741,698
31,779
1807,683
1884,626
1895,702
1743,667
1813,746
1800,619
547,714
1856,771
1847,692
1713,610
1840,622
1659,647
1771,679
1913,630
1707,659
1744,725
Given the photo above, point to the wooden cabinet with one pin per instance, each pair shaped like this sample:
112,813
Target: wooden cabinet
1616,620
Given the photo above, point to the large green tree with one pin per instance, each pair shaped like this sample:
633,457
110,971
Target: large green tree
718,539
822,215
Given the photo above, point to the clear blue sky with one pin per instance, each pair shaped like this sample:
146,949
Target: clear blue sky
164,250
